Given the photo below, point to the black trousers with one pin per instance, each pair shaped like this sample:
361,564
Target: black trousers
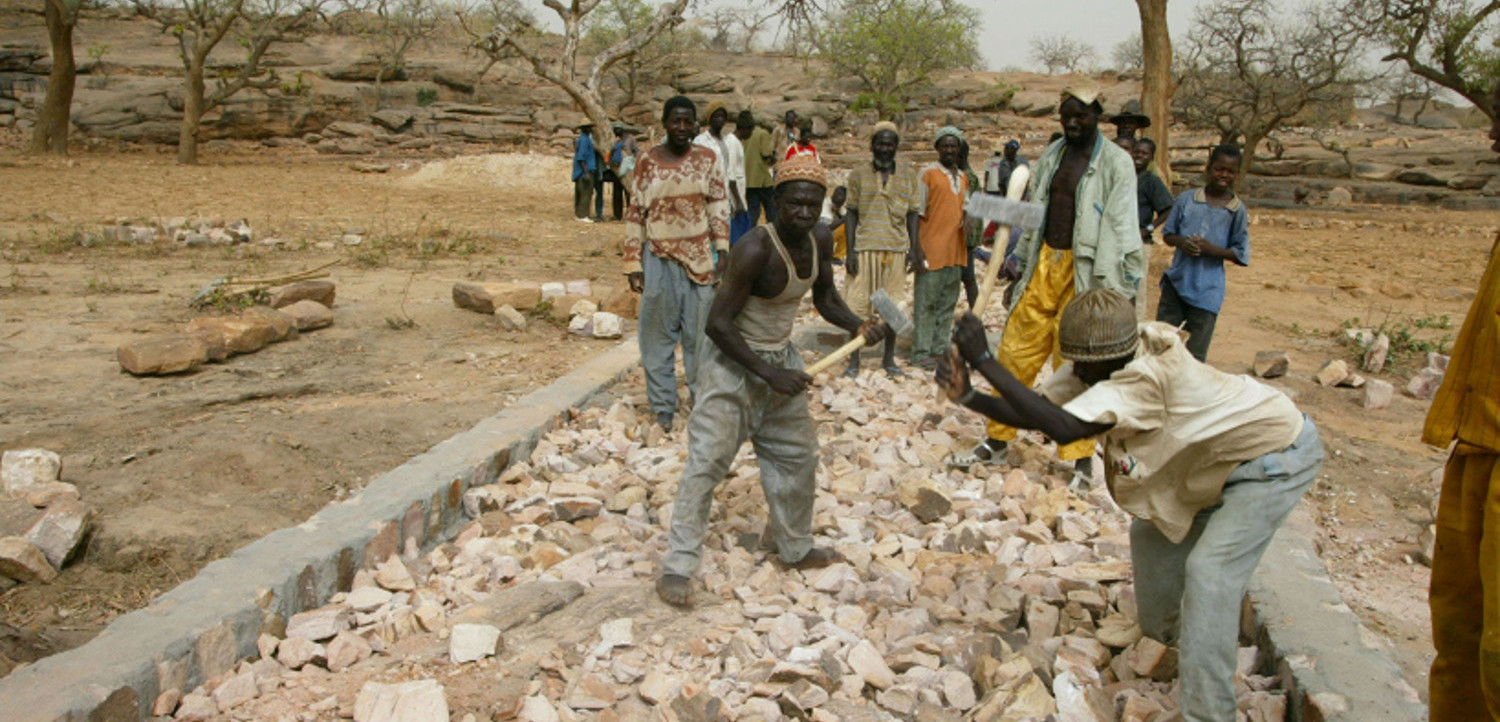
1197,322
583,194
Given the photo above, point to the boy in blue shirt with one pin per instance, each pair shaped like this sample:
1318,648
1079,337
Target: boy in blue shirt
1207,227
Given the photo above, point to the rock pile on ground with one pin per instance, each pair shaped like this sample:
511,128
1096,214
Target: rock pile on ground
572,303
994,594
42,519
294,308
189,232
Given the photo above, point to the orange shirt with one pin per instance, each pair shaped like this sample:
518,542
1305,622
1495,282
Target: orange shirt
1467,405
942,229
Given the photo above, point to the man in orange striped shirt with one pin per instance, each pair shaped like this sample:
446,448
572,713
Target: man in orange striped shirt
940,254
1465,681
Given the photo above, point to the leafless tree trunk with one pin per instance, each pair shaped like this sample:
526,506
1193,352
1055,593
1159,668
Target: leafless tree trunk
55,117
1157,84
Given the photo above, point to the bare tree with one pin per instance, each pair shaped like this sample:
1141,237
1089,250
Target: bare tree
1128,53
1248,72
559,66
1060,53
478,20
55,118
199,26
655,63
1453,43
1157,82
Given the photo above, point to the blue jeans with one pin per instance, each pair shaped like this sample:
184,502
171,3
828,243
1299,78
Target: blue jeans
673,310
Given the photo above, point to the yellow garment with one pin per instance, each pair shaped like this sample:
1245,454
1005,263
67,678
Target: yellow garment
1467,406
877,270
1465,680
840,242
1030,336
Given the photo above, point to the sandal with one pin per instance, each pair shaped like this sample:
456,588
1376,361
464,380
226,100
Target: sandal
894,371
983,452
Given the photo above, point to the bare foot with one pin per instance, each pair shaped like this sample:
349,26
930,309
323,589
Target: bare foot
818,558
674,590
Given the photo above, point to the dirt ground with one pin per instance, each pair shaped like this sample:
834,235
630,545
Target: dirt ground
183,470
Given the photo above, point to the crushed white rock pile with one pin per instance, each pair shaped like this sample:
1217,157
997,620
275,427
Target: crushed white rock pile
994,594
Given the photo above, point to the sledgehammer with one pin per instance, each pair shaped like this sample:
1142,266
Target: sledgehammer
1009,212
888,310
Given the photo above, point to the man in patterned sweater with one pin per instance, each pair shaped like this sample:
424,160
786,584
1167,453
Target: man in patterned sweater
676,245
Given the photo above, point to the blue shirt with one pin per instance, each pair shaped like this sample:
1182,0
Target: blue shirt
1200,280
585,160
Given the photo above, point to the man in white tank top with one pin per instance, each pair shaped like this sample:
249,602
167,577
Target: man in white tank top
751,384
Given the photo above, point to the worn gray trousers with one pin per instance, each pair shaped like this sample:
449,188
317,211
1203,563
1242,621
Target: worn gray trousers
1191,593
733,405
673,310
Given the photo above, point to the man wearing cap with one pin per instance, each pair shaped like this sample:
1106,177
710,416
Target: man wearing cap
883,220
760,155
1089,239
585,167
1209,464
939,257
786,135
752,384
678,219
1130,120
732,162
998,169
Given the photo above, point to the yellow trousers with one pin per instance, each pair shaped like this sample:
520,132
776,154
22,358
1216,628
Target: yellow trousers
1030,336
840,242
1465,597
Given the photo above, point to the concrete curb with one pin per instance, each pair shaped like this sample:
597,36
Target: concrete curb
1333,667
205,625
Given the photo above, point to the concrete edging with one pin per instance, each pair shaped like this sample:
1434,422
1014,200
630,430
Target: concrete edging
1332,666
202,627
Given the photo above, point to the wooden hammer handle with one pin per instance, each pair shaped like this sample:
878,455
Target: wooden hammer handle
842,353
991,274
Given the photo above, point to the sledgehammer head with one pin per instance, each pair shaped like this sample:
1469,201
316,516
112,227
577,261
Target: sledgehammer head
1016,214
890,312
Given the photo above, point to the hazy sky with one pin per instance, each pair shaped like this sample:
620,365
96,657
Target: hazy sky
1009,25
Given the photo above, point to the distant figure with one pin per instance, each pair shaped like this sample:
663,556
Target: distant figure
630,152
973,230
939,258
677,223
785,135
1152,197
997,170
1207,226
1465,595
612,174
1130,119
802,144
1126,144
732,162
833,218
585,168
760,155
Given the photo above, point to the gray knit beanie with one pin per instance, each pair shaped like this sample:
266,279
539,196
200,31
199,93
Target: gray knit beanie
1098,325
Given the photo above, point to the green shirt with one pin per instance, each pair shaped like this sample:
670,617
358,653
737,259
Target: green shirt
882,208
757,148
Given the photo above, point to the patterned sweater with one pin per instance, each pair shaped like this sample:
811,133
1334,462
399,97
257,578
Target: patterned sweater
681,208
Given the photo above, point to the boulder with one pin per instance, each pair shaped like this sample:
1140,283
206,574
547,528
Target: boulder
347,129
45,495
924,500
1425,384
22,469
420,701
1340,196
297,652
163,354
607,325
319,624
1419,177
1333,373
510,319
309,315
392,119
239,335
1378,394
486,297
1375,356
322,291
284,325
345,650
23,562
1271,364
59,531
472,642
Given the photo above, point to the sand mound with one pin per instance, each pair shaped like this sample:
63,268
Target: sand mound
500,170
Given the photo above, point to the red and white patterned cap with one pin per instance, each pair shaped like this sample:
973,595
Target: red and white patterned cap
801,168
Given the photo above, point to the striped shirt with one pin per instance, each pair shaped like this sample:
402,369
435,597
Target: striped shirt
681,208
882,207
1467,405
